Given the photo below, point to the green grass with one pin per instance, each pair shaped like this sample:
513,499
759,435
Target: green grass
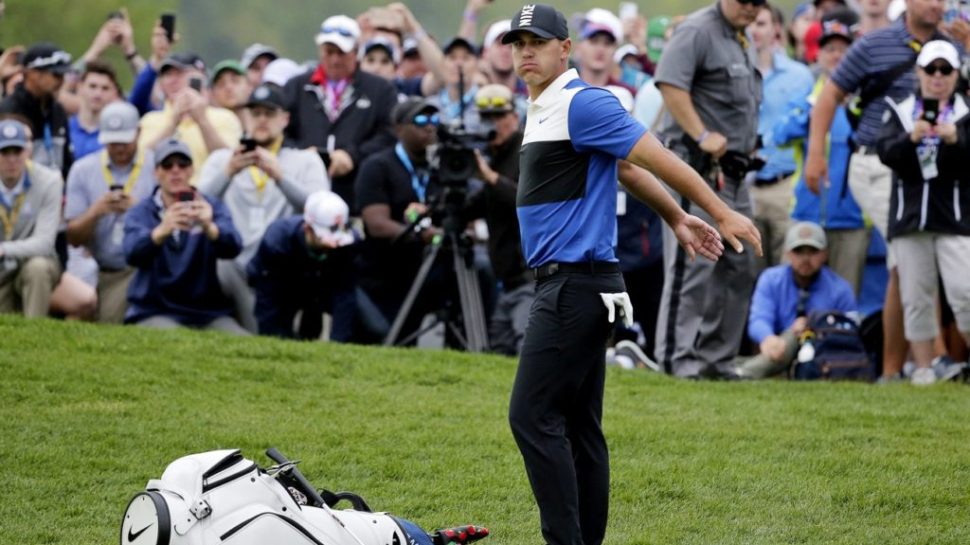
88,414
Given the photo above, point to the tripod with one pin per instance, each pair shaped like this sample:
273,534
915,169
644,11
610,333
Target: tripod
471,331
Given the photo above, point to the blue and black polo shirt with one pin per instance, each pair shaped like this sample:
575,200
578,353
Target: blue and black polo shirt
566,199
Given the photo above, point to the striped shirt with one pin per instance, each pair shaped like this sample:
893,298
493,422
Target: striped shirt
874,54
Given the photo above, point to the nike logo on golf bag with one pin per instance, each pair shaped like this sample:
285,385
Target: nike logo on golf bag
134,536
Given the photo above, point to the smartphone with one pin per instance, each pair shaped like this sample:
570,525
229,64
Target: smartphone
196,83
116,187
931,109
628,10
247,143
115,15
185,196
325,157
168,23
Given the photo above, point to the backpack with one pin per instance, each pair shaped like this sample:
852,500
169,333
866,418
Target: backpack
839,351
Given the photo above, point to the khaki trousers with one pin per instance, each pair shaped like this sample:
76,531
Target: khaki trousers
113,295
771,207
29,288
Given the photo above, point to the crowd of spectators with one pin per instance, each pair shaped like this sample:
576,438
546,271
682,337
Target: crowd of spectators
266,195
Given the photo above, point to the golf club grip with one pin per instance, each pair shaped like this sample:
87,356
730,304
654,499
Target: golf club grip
308,489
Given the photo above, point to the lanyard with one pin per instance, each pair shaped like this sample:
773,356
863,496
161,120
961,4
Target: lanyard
49,141
420,184
132,175
336,91
10,212
260,178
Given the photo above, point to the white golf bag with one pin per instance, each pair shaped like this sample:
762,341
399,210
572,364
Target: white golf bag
220,497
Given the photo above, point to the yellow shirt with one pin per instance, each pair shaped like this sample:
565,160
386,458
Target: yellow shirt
226,125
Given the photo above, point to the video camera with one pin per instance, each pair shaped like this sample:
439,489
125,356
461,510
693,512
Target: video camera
454,163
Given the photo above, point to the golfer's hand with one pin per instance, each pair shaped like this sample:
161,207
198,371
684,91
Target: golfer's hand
697,237
735,227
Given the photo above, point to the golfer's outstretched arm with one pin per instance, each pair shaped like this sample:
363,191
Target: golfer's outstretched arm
651,155
696,236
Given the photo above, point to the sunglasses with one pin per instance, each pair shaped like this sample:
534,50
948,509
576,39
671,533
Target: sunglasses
943,69
753,2
492,102
423,120
492,116
172,162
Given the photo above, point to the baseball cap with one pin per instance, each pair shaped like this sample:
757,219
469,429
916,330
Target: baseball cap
540,19
495,31
118,123
281,71
231,65
256,51
458,41
326,213
599,20
267,96
494,98
656,36
805,233
380,41
13,134
48,57
410,47
341,31
840,23
938,49
623,51
412,106
170,147
182,61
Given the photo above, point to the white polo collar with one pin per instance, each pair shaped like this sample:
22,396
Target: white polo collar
548,96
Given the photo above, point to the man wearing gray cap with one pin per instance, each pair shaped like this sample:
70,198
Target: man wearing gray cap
259,185
173,238
101,187
786,294
30,210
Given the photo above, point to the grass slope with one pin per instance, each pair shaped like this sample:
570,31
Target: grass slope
89,413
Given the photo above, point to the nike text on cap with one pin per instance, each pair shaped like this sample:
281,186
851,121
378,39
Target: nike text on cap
542,20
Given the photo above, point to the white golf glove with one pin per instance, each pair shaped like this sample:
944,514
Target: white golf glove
621,301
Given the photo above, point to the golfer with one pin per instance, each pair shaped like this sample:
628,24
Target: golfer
566,205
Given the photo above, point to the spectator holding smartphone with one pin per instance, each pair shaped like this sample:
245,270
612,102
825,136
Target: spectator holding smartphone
187,114
101,188
925,142
260,182
173,238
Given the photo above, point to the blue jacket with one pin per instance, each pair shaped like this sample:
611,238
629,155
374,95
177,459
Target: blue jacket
177,279
786,79
835,208
775,300
287,277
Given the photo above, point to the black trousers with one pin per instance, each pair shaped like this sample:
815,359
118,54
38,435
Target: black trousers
557,405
